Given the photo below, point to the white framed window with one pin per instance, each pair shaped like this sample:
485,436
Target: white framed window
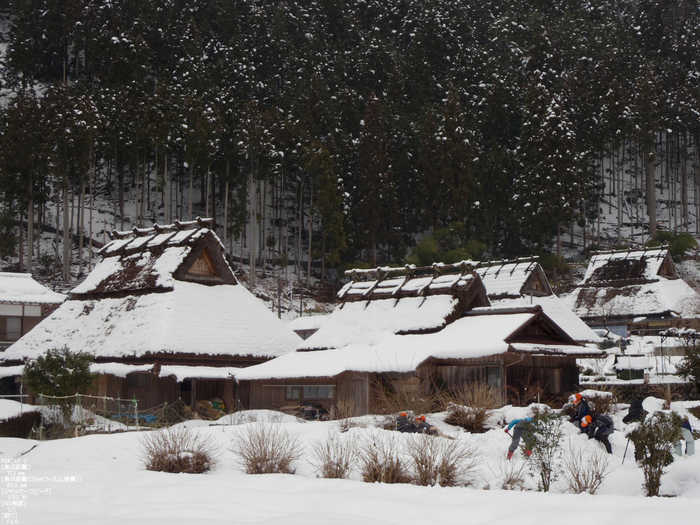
14,328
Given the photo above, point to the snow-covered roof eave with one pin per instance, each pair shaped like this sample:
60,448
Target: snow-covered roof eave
586,351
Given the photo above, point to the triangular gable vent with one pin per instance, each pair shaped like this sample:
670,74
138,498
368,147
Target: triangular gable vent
203,265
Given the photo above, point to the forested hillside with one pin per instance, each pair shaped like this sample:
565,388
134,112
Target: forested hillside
351,129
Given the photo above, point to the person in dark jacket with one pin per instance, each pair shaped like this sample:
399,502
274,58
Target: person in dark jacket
599,426
423,427
403,424
520,427
636,412
582,410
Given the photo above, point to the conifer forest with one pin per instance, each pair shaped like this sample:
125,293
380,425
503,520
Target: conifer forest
355,132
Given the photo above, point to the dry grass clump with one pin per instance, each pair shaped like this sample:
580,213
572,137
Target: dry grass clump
344,412
178,449
470,405
381,461
335,457
585,472
443,462
266,449
512,474
391,401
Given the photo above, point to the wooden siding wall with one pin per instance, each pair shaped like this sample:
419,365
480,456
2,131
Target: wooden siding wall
356,387
555,374
270,394
450,374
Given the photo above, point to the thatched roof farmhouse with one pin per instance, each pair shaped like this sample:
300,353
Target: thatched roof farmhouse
420,329
165,318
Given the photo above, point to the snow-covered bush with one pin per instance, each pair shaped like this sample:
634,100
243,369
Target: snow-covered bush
654,439
334,457
543,439
440,461
178,449
585,471
266,449
381,459
59,372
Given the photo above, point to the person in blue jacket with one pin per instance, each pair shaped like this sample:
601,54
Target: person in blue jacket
687,432
519,426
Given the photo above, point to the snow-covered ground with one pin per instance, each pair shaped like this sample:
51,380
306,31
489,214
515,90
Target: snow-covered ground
100,479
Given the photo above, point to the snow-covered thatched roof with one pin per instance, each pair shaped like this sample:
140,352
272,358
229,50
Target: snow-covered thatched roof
620,268
378,344
409,281
513,279
174,294
632,285
21,288
511,284
191,319
395,323
308,322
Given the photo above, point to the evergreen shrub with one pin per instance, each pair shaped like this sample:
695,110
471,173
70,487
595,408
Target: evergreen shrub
653,440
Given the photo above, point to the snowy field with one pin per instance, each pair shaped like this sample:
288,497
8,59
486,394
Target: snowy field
100,479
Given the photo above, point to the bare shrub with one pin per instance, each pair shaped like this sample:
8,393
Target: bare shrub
178,449
381,461
390,401
471,405
242,418
667,395
529,391
585,472
604,401
335,457
344,412
511,474
266,449
275,417
443,462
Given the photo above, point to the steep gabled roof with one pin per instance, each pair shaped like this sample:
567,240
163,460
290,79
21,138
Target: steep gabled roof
161,292
622,268
150,260
631,284
513,279
21,288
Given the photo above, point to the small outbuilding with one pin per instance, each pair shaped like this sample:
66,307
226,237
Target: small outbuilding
23,304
